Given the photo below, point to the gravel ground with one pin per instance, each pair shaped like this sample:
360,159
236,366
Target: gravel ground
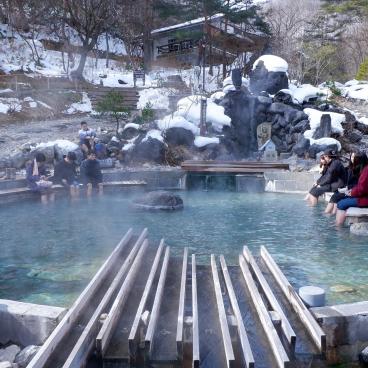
14,135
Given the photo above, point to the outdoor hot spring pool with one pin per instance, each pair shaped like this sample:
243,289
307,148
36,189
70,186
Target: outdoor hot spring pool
49,253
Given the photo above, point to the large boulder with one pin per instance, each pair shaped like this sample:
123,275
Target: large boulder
269,74
301,147
179,137
9,353
159,200
151,150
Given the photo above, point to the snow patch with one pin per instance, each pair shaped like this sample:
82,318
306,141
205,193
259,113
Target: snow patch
84,106
190,109
326,141
171,121
305,92
157,97
131,125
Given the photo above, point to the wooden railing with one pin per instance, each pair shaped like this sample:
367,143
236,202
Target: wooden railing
177,46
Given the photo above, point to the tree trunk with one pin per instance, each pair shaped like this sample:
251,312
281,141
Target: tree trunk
107,50
78,73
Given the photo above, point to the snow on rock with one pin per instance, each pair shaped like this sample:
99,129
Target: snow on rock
217,95
63,144
364,120
357,91
131,125
157,97
272,63
154,134
314,117
190,109
326,141
352,82
171,121
228,88
305,92
204,141
83,106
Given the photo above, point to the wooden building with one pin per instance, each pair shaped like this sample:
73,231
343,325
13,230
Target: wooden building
181,45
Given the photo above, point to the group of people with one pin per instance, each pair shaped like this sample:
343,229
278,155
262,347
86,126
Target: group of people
40,180
349,185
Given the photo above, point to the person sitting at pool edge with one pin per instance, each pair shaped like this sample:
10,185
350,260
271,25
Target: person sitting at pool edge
356,197
65,173
86,138
334,177
37,178
355,167
91,174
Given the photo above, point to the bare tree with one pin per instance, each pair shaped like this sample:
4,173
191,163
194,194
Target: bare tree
89,19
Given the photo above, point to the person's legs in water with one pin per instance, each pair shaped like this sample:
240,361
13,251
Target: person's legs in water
89,189
312,200
331,205
100,188
342,206
329,208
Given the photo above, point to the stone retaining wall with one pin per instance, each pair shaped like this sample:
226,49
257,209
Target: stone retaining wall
346,328
290,182
27,324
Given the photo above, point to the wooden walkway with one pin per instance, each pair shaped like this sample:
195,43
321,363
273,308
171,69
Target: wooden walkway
232,167
147,307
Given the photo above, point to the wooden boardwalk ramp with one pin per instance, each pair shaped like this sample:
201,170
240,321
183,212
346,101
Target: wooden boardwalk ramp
149,306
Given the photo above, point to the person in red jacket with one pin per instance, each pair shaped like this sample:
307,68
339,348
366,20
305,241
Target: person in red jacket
356,197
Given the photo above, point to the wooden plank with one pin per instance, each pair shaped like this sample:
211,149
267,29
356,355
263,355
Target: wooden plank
78,306
110,323
157,303
133,335
244,342
195,323
79,354
180,327
311,325
239,170
275,305
229,352
278,350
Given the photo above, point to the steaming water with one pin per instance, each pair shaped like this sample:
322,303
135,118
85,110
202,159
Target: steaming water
49,253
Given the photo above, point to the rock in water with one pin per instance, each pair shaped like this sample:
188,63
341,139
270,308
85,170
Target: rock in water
363,356
26,355
159,200
359,228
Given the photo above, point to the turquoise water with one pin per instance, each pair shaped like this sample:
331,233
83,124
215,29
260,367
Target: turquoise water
49,253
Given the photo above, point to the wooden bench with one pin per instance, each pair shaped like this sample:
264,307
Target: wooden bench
139,74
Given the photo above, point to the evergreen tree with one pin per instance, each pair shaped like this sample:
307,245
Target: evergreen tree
363,70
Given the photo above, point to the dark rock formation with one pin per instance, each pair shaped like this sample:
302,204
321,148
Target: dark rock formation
301,147
260,79
159,200
150,150
246,113
129,133
179,137
325,128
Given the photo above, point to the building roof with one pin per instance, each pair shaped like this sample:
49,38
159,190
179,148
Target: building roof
186,24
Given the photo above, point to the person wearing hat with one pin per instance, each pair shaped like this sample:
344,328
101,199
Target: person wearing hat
355,197
65,173
333,177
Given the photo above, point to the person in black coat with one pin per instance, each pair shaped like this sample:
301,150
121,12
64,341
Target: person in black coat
333,178
65,173
91,174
